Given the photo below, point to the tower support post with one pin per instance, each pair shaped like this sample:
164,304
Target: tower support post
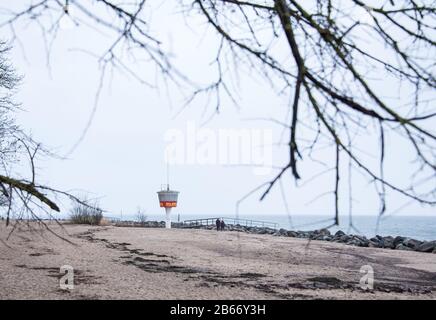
168,217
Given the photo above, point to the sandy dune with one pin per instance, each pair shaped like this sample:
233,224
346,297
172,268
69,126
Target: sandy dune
147,263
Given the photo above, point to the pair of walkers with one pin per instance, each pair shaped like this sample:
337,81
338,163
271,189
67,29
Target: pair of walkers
220,224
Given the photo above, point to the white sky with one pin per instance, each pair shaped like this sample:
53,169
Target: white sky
121,157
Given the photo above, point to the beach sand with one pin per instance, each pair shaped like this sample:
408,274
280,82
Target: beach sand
150,263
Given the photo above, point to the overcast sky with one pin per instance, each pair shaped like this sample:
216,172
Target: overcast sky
121,158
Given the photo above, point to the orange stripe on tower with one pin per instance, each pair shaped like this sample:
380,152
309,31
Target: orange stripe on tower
168,204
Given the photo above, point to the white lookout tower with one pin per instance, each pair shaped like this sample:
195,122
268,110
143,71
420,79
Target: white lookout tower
168,200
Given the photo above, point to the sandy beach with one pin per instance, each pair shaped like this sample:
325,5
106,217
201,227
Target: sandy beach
153,263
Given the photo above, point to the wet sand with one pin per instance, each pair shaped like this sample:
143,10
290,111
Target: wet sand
151,263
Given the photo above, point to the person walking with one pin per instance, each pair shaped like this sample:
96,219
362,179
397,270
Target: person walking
222,224
218,224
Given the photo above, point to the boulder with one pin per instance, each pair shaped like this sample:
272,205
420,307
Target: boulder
237,227
412,243
365,243
344,238
260,230
403,247
374,244
318,237
387,242
312,234
270,231
283,232
292,234
253,229
303,234
327,238
353,242
399,240
361,241
361,238
324,232
339,233
427,246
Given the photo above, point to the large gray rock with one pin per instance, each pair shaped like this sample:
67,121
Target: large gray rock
283,232
374,244
354,242
319,237
399,240
361,240
270,231
324,232
345,238
292,234
261,230
303,234
365,243
327,238
427,246
403,247
412,243
387,242
339,233
312,234
357,240
253,229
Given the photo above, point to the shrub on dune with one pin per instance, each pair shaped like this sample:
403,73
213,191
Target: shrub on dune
86,213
